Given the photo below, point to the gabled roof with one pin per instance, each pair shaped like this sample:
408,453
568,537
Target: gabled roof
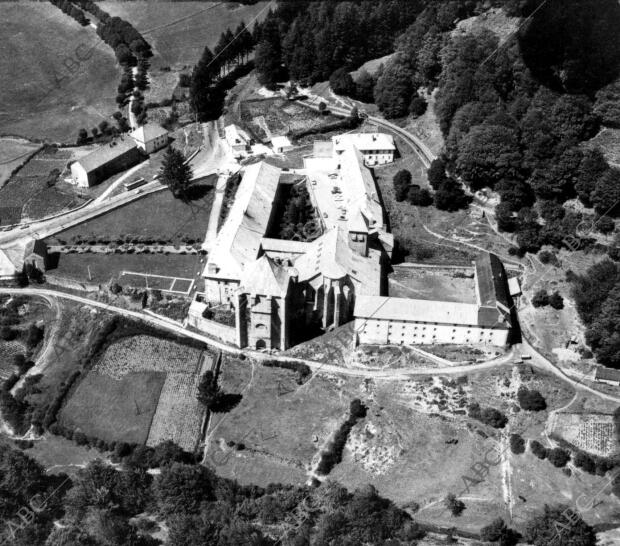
266,278
239,240
148,132
362,187
405,309
492,291
106,153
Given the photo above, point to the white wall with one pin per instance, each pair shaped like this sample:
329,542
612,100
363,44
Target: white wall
219,291
392,332
79,175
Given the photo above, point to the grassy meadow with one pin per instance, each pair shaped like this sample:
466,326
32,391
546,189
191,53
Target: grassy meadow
45,91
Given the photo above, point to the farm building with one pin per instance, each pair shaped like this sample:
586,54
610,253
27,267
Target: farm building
238,140
404,321
150,137
105,161
35,254
14,258
607,375
281,144
376,148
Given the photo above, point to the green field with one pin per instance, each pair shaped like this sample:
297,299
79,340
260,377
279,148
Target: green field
179,31
101,268
156,217
141,388
112,409
46,91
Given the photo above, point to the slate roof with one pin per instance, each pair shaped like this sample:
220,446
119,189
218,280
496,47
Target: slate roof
330,256
266,278
405,309
106,153
238,242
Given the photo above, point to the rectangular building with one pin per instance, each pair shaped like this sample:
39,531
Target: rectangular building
105,161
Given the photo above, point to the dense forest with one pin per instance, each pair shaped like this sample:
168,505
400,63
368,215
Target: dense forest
514,115
597,298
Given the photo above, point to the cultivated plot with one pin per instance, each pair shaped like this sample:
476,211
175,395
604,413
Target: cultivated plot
143,390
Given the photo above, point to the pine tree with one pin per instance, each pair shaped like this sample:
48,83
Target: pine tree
175,173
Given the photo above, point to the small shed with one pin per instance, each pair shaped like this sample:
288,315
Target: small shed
281,144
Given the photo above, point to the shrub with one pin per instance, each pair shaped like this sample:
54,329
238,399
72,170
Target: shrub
7,333
418,106
453,504
547,257
34,336
420,197
585,462
488,416
558,457
517,444
401,181
531,400
541,298
556,301
538,449
498,531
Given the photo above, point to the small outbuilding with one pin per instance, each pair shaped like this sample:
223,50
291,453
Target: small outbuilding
281,144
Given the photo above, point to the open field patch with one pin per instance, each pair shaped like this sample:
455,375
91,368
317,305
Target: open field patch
101,268
158,217
141,389
432,284
114,409
40,96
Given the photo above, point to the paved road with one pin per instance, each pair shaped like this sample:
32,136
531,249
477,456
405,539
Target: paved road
537,360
